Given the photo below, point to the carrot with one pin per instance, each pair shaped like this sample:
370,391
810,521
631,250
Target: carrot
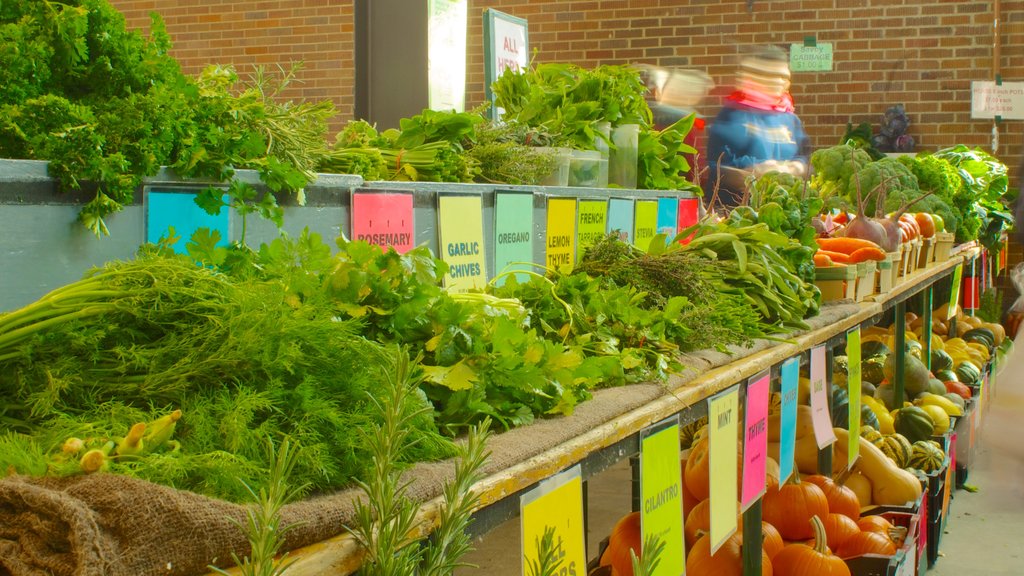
863,254
836,257
845,245
822,260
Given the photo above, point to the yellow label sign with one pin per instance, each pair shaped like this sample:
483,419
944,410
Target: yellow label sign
555,505
662,496
461,236
723,422
560,245
591,225
853,388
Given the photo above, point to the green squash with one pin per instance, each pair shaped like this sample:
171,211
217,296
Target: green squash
873,349
947,375
915,374
840,407
981,335
935,386
927,456
886,394
914,423
873,370
955,399
867,389
968,373
941,360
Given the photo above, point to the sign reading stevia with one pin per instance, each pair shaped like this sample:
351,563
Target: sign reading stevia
646,223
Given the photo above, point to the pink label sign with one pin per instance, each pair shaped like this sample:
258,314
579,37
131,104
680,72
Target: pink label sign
384,219
755,439
823,432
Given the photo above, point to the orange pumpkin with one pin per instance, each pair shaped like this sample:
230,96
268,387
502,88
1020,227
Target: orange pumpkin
771,468
790,508
771,540
696,473
839,528
841,499
625,536
863,543
817,560
881,525
698,521
689,500
727,561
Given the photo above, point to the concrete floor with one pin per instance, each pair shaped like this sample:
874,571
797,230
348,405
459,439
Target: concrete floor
984,534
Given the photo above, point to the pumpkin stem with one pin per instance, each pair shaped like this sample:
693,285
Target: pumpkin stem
820,539
843,476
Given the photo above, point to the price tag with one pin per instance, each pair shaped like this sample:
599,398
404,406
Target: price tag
787,420
620,218
755,439
723,420
557,503
661,492
384,219
513,233
591,225
954,294
460,225
820,417
646,223
561,236
853,389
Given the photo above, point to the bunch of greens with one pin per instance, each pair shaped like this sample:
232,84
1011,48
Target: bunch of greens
834,169
786,204
983,200
761,267
503,154
661,160
242,359
103,104
939,177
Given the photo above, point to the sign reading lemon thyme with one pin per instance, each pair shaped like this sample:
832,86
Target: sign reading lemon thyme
561,236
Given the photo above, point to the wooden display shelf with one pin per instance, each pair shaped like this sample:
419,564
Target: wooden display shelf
340,555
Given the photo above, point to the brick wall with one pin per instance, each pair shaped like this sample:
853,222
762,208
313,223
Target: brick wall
269,32
923,54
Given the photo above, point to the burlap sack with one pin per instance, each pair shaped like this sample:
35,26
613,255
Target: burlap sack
108,525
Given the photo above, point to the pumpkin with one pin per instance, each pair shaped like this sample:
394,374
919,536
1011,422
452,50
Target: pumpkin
839,528
692,432
863,543
625,537
803,560
771,540
696,473
841,500
791,506
881,525
698,521
689,500
727,561
914,423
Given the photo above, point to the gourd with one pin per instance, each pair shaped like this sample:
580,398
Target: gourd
890,485
940,419
914,423
698,521
803,560
727,561
804,424
696,474
896,447
927,456
771,540
861,486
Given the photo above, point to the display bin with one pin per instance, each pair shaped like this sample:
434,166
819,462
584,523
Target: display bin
915,255
934,518
904,562
927,256
894,262
943,245
836,282
906,253
865,280
884,278
965,444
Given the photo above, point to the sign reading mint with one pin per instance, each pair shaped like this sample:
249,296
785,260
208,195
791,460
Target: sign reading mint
810,56
1003,100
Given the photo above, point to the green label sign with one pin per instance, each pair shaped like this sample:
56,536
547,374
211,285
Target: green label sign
954,293
805,58
853,389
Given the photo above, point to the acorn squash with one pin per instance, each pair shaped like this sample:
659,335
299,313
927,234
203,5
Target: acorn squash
914,423
941,360
873,349
873,370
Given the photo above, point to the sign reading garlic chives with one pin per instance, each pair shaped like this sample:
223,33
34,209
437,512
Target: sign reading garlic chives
461,239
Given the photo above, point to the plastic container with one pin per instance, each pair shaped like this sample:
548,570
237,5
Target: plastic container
588,169
622,164
560,175
602,146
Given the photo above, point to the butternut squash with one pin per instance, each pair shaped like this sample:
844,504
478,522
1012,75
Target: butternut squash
805,455
861,486
890,485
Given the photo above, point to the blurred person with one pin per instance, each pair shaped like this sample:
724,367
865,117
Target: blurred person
673,94
757,129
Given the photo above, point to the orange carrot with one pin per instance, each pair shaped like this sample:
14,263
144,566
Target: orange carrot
863,254
837,257
845,245
822,260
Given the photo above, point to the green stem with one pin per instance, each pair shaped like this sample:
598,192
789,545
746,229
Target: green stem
15,336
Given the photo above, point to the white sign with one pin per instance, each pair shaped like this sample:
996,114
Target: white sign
989,100
446,68
506,47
